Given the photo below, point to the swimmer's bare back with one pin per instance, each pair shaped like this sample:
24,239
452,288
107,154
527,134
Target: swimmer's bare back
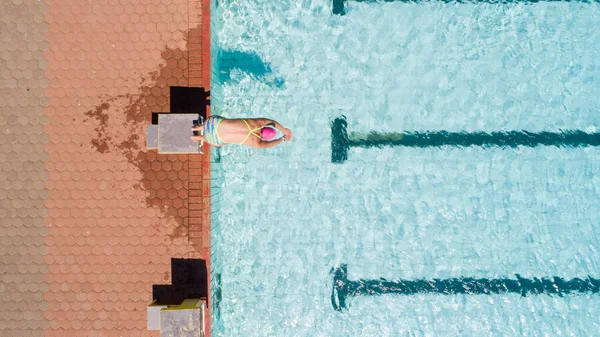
245,132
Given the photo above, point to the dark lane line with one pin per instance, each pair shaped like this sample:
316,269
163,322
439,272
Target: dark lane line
338,7
551,285
341,141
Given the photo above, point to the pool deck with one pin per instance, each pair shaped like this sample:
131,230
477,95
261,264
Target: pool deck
90,218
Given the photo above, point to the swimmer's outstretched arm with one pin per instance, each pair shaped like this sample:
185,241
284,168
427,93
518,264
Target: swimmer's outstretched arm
265,145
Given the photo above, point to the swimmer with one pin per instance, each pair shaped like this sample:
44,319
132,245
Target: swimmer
259,133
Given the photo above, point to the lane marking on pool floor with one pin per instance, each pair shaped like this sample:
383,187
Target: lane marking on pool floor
343,289
338,7
342,141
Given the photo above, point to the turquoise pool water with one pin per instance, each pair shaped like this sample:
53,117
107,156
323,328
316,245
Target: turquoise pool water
285,218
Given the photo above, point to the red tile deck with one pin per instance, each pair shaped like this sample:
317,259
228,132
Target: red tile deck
90,217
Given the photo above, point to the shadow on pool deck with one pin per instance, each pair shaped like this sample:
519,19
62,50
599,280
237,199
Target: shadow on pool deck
188,281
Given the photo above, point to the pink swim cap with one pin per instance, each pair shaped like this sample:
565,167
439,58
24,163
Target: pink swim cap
268,133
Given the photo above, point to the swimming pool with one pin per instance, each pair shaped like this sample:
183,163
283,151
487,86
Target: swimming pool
492,228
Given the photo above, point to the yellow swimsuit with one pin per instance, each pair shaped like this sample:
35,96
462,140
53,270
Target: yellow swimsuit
211,133
250,132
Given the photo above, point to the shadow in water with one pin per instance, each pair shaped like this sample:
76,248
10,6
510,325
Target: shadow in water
249,63
344,289
338,7
341,141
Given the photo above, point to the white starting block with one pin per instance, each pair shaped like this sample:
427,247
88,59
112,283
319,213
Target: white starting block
172,133
184,320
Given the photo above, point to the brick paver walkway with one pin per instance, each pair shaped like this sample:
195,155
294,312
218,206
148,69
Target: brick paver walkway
90,218
22,176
